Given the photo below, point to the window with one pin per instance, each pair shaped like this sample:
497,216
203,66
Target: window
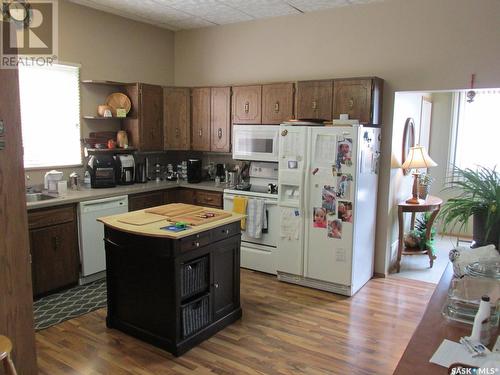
50,115
478,130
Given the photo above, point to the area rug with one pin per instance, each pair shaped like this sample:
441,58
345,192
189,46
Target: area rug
69,304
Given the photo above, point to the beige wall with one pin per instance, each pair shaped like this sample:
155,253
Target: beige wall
113,48
413,45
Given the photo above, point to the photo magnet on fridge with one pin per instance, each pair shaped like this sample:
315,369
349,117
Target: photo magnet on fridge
335,229
319,217
344,153
328,199
344,182
345,211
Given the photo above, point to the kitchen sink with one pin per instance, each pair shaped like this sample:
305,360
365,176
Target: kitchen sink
36,197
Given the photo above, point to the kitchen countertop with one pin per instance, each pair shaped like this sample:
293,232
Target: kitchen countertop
86,194
154,229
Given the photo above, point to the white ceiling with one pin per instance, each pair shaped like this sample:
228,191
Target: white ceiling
190,14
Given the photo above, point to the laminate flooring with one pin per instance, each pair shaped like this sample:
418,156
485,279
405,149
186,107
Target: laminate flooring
285,329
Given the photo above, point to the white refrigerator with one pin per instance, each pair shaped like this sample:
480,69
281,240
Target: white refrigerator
328,179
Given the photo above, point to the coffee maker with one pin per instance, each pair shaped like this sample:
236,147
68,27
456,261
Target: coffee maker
102,171
194,170
125,169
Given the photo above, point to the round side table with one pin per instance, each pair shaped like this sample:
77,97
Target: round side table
431,204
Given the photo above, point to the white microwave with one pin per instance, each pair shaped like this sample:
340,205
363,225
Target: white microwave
256,142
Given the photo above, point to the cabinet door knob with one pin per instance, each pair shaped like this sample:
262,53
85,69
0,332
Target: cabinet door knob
226,231
219,133
200,133
247,107
197,244
351,103
177,132
189,268
277,107
314,105
216,285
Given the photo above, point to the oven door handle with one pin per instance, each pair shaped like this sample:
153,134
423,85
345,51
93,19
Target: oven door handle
267,202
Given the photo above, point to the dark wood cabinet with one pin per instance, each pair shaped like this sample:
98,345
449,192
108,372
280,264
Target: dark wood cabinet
173,293
145,200
54,249
226,277
176,118
220,119
277,103
247,104
200,119
314,100
145,127
184,195
361,99
208,198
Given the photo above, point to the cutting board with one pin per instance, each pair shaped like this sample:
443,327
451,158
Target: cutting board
142,218
194,219
174,209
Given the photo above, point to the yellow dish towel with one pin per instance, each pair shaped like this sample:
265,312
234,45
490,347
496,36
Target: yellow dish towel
240,207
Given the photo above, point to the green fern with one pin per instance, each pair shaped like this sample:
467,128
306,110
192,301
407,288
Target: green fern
478,193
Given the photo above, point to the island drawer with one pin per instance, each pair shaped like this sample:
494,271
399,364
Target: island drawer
195,315
226,231
195,241
194,277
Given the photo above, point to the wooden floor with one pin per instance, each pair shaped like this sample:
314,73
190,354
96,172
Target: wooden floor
285,329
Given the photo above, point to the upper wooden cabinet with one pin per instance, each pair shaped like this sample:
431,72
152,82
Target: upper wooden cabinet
220,119
314,100
247,104
176,118
146,131
361,99
200,119
277,103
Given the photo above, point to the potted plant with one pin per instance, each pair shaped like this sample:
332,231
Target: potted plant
416,239
478,195
424,185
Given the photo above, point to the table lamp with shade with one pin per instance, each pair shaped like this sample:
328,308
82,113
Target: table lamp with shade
417,158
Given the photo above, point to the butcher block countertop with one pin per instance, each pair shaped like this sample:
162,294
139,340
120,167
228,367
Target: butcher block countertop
149,224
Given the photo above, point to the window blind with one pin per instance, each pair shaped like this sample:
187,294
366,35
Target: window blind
50,115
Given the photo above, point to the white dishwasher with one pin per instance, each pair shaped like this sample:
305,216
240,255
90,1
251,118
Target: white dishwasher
91,234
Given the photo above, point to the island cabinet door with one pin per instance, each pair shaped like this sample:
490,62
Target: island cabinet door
225,276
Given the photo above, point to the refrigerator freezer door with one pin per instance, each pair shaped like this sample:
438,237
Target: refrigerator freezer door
292,162
329,204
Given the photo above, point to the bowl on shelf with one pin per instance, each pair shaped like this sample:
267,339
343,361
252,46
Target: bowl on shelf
104,110
118,100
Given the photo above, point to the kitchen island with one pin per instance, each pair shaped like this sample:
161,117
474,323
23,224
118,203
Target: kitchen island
172,289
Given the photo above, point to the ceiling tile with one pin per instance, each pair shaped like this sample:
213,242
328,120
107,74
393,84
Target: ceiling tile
190,23
188,14
262,8
313,5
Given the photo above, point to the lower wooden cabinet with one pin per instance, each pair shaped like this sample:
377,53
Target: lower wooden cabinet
226,276
208,198
54,249
145,200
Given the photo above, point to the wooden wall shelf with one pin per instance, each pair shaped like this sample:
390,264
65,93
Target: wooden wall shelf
109,118
109,83
92,151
